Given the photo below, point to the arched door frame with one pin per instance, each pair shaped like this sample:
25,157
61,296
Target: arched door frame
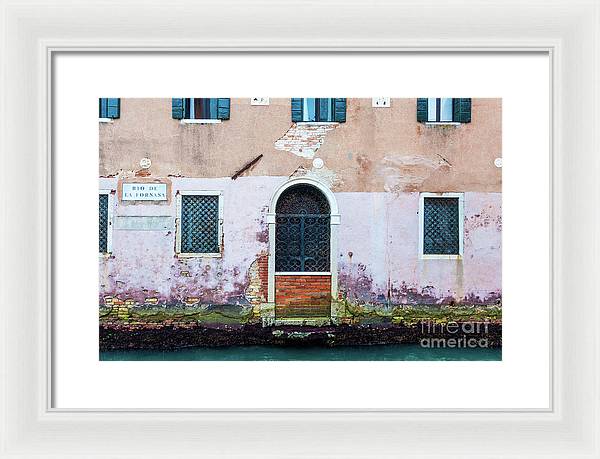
334,221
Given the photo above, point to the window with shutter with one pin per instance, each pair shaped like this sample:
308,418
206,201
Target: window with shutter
315,109
441,109
201,108
109,108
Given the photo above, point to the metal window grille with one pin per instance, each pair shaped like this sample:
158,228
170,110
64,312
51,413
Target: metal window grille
103,212
302,231
200,224
441,226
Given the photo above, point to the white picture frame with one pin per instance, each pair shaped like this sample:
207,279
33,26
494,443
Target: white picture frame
32,33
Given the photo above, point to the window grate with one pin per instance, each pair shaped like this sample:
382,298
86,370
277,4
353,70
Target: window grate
103,211
302,231
199,224
441,226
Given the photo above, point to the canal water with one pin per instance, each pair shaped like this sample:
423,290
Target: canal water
273,353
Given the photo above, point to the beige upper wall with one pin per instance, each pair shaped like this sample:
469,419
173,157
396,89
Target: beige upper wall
376,149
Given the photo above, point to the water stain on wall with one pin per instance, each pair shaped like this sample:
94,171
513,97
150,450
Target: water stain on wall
407,172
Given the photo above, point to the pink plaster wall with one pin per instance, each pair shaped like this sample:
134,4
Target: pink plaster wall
144,265
378,249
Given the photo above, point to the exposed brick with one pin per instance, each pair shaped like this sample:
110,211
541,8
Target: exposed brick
258,286
304,139
302,296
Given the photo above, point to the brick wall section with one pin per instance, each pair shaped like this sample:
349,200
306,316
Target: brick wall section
302,296
304,139
263,275
258,281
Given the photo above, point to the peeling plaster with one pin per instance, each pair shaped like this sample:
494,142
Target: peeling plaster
408,172
324,175
378,252
304,139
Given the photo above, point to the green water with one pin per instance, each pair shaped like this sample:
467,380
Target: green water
265,353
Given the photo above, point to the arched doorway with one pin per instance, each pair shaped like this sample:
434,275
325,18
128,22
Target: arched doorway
302,236
302,275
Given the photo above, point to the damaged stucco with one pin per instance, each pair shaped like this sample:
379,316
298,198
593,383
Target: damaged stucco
407,172
143,264
379,252
304,139
378,261
371,144
376,164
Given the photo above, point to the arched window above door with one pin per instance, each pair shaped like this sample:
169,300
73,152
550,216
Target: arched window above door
302,199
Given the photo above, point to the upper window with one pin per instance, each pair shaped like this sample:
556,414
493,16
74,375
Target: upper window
443,110
110,108
201,108
317,109
441,224
200,216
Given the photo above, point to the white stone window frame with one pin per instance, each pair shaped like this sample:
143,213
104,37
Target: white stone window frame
110,216
461,211
200,121
178,196
334,222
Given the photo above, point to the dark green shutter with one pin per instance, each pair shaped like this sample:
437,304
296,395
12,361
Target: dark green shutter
177,108
422,109
223,109
462,110
339,110
102,106
296,109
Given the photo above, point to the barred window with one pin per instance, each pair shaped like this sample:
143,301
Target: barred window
200,224
441,226
103,215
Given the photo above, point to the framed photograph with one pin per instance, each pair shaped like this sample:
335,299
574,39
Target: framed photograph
320,245
390,253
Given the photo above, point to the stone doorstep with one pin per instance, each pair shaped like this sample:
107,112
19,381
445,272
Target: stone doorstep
310,321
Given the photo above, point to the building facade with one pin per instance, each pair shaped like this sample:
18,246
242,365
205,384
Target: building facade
298,209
